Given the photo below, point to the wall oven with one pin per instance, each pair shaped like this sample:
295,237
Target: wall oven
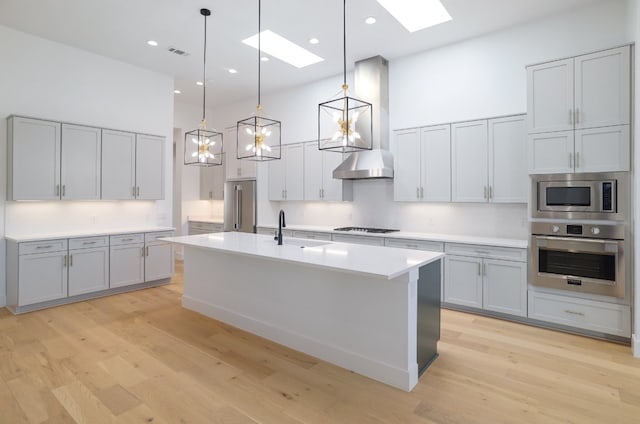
598,196
586,258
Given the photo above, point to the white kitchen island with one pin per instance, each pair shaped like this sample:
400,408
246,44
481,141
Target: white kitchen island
373,310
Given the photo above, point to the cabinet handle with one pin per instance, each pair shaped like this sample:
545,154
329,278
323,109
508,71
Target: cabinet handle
479,269
412,246
138,191
577,159
485,192
323,193
422,192
147,251
483,252
577,115
568,311
210,195
484,269
142,252
570,116
127,239
57,189
310,236
570,160
44,247
490,192
89,242
285,193
320,193
417,192
133,191
64,190
64,261
70,260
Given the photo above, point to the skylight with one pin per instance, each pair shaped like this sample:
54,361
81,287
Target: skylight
283,49
415,15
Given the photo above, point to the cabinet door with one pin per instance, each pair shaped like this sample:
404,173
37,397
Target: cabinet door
118,165
294,172
80,170
158,262
233,166
463,281
435,155
406,167
334,189
550,153
550,97
212,182
505,287
602,88
88,270
469,162
34,159
126,265
508,177
149,167
277,178
603,149
313,172
42,277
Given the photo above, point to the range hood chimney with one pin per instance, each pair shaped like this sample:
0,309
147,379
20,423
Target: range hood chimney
371,85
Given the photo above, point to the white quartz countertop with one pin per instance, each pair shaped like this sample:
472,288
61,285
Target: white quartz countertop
20,238
447,238
377,261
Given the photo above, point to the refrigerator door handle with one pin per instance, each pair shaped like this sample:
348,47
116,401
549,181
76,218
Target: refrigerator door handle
238,190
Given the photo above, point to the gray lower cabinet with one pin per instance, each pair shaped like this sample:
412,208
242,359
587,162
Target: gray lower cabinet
40,274
88,265
127,260
158,261
372,241
485,277
200,227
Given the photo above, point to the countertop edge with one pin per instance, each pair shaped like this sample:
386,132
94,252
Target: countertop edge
73,235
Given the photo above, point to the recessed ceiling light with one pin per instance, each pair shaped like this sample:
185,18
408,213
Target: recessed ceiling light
416,15
264,59
152,43
283,49
177,91
199,83
314,41
233,71
370,20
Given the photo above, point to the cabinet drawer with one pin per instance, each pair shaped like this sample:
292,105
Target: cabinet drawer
486,251
591,315
373,241
87,242
204,227
153,237
312,235
126,239
433,246
42,246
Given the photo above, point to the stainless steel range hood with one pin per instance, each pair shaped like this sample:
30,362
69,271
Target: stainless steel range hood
371,85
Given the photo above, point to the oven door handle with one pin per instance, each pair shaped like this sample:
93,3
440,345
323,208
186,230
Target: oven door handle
599,245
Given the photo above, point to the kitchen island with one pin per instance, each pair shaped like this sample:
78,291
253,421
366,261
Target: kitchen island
369,309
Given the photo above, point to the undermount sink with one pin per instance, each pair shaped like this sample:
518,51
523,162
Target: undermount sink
300,242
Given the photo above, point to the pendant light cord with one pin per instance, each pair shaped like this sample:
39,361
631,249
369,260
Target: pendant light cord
204,73
259,47
344,42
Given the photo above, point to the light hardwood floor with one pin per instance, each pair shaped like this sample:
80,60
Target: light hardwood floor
142,358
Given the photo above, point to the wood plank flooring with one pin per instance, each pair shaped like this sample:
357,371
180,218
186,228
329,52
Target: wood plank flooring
141,358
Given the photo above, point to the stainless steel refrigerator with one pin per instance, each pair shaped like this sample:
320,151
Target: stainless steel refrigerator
240,211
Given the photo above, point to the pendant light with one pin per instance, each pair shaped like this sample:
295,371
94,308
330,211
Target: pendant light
345,123
203,147
259,137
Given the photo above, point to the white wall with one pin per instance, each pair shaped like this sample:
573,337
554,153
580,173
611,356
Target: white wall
634,24
44,79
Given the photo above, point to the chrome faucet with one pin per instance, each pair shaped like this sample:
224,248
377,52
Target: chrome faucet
281,225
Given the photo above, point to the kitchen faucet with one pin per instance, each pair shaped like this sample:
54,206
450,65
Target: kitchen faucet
281,225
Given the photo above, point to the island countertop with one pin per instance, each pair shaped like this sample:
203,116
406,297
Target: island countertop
376,261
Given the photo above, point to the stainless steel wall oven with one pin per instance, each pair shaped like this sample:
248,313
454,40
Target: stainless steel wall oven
587,258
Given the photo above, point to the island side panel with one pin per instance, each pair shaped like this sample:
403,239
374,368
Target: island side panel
364,324
429,286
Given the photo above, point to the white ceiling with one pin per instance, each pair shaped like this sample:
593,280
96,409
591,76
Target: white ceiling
120,29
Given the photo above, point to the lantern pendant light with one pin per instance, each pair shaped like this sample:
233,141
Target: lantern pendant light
203,147
259,137
344,123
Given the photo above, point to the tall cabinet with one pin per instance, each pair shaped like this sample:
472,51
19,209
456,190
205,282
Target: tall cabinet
578,113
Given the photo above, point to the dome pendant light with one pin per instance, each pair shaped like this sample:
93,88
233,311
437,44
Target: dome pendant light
259,137
345,123
203,147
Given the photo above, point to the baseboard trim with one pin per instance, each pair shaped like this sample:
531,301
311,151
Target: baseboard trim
3,300
635,343
393,376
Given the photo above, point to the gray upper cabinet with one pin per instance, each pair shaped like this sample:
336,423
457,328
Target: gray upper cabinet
80,162
212,181
149,167
33,159
118,165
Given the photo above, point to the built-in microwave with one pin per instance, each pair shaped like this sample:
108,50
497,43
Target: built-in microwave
598,196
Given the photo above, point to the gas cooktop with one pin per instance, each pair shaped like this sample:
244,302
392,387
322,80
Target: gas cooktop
365,230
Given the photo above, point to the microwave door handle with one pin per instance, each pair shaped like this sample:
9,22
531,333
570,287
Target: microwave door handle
548,242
